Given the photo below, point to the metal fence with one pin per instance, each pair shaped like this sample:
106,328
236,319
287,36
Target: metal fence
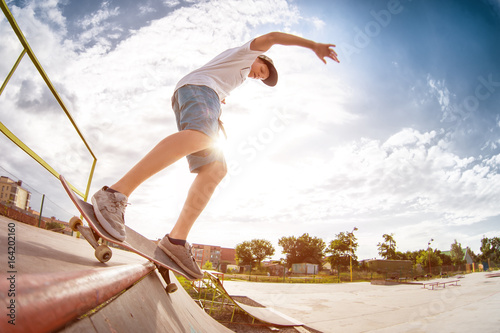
28,51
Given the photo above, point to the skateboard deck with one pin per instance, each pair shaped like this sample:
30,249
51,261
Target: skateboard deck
134,242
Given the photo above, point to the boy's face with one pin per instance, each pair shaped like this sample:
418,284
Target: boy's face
259,70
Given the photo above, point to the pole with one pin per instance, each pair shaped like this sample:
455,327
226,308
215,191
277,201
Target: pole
429,253
351,264
41,210
350,246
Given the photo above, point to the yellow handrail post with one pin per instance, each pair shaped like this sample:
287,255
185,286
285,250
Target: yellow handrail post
12,71
27,49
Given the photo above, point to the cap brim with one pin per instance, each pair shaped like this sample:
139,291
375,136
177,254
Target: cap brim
272,80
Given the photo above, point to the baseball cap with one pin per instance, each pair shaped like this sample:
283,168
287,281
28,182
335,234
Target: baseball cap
273,73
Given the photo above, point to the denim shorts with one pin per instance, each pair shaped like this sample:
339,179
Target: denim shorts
198,108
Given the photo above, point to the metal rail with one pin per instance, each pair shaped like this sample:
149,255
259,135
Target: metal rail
27,50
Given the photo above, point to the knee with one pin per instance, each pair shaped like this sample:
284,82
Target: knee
215,171
220,171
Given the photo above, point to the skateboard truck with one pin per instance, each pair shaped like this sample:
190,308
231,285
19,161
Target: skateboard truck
171,287
102,252
135,242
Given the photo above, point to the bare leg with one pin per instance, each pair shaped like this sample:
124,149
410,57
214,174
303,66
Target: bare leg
198,197
165,153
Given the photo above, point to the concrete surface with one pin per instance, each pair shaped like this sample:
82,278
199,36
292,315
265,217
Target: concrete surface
349,307
473,306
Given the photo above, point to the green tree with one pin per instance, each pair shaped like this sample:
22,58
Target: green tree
387,249
490,249
253,252
342,248
244,254
261,249
304,249
445,259
457,254
423,259
54,226
208,265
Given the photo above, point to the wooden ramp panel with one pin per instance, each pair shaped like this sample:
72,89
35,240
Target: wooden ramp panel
266,315
147,308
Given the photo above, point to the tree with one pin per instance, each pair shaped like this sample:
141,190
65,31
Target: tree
208,265
490,249
387,249
254,251
408,255
457,254
54,226
304,249
423,259
445,259
342,248
244,254
261,249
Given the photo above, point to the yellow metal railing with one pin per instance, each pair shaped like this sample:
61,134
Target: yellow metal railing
27,50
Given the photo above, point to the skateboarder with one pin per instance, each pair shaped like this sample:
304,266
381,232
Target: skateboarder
197,106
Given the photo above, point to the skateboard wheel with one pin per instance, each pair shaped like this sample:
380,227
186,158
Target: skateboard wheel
103,253
171,288
74,222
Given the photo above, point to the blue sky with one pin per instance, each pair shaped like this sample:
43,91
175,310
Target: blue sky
403,136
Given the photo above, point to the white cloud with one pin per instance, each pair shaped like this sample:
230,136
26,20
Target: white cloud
146,9
318,23
292,173
97,18
171,3
97,28
439,89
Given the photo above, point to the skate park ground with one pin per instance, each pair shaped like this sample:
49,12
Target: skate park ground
472,306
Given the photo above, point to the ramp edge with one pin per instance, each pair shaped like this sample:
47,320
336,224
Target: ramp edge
49,301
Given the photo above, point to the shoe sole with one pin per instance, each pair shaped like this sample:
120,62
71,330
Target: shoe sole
105,224
178,262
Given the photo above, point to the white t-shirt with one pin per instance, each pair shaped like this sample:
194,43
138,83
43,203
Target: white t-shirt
225,72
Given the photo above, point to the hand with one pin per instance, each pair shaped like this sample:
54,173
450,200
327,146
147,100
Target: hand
325,50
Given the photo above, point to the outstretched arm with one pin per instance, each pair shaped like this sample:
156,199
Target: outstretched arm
264,43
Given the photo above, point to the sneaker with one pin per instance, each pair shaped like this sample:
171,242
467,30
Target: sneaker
182,256
109,209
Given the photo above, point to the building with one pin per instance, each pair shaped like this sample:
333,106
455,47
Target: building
305,268
228,258
204,253
467,257
220,257
12,193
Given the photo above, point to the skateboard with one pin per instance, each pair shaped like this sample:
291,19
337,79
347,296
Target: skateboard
134,242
